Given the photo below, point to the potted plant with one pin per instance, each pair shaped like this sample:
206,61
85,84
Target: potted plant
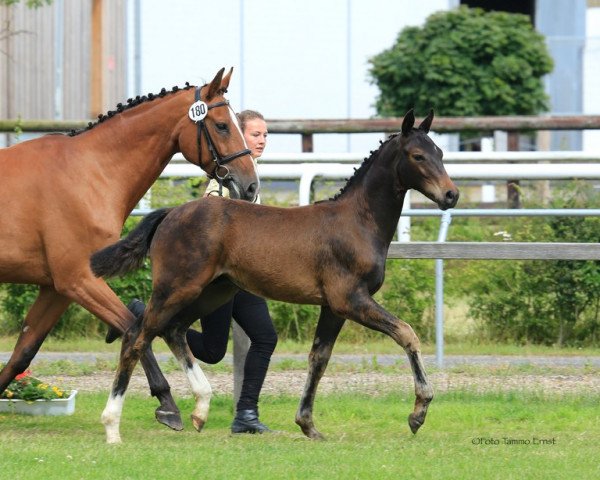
29,395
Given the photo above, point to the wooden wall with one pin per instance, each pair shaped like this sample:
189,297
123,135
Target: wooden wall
37,81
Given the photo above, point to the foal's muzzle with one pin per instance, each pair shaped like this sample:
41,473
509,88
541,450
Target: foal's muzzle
450,199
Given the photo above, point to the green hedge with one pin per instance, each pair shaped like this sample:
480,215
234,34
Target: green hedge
541,302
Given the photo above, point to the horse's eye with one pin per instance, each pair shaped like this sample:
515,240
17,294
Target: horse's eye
418,157
222,127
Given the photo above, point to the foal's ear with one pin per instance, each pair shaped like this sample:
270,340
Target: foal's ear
408,122
426,123
225,81
215,85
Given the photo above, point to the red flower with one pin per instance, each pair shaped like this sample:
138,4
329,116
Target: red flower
26,373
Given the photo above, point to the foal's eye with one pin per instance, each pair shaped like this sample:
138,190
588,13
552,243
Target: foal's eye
418,157
222,127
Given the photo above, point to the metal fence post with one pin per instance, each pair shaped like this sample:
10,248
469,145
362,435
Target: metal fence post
446,218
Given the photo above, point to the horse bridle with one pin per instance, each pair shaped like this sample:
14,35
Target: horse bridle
219,160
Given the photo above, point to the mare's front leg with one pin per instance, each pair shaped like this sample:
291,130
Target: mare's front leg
360,307
42,316
328,328
97,297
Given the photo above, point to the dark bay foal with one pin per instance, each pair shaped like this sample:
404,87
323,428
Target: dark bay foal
330,254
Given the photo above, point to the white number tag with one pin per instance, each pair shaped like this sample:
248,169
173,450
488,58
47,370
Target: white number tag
198,111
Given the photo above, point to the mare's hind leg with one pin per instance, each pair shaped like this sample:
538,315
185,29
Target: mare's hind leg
328,328
43,315
360,307
176,340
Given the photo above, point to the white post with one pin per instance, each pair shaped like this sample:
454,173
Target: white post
241,345
404,223
439,293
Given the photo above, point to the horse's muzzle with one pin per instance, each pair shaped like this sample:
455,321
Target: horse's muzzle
249,192
450,199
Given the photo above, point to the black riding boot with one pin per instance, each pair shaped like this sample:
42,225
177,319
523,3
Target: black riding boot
246,421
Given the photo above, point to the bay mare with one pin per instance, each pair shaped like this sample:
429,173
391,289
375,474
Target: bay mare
330,254
65,196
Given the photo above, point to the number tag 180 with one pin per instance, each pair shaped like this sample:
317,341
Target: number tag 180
198,111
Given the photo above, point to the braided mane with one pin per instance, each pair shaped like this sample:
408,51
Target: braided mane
131,102
364,166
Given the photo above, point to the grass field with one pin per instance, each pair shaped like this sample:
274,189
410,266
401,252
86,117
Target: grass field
467,436
526,435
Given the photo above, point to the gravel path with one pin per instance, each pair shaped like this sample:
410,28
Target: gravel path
372,383
552,375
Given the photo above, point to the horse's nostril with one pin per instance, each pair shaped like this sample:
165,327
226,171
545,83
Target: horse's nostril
252,190
451,197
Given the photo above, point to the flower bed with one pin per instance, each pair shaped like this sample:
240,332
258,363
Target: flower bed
29,395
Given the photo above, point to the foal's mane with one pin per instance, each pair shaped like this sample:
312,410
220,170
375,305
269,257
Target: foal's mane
364,166
131,102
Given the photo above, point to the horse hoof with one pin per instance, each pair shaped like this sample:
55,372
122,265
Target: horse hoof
170,419
414,423
198,423
113,440
112,335
312,433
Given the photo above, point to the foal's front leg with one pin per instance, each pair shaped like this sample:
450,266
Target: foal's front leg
364,310
328,328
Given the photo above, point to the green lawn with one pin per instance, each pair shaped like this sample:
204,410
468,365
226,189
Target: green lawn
466,436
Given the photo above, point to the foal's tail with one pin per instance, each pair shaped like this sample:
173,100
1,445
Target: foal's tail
128,253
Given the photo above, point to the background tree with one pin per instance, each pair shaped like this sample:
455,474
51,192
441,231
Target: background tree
464,62
5,30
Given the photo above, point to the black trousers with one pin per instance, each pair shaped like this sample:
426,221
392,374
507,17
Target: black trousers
210,345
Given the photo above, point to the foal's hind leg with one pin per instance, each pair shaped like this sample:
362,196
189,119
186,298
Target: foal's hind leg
363,309
212,296
200,385
135,342
328,328
97,297
43,315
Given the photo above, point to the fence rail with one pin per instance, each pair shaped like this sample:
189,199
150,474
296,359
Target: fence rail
371,125
495,250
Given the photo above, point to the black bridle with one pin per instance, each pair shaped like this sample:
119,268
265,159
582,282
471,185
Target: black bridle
219,160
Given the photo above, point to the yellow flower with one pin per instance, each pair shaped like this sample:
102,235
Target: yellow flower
43,386
9,394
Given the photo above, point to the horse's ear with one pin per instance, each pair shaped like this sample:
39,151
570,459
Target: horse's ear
408,122
215,85
225,81
426,123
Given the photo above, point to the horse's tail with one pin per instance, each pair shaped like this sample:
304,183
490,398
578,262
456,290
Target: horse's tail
128,253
